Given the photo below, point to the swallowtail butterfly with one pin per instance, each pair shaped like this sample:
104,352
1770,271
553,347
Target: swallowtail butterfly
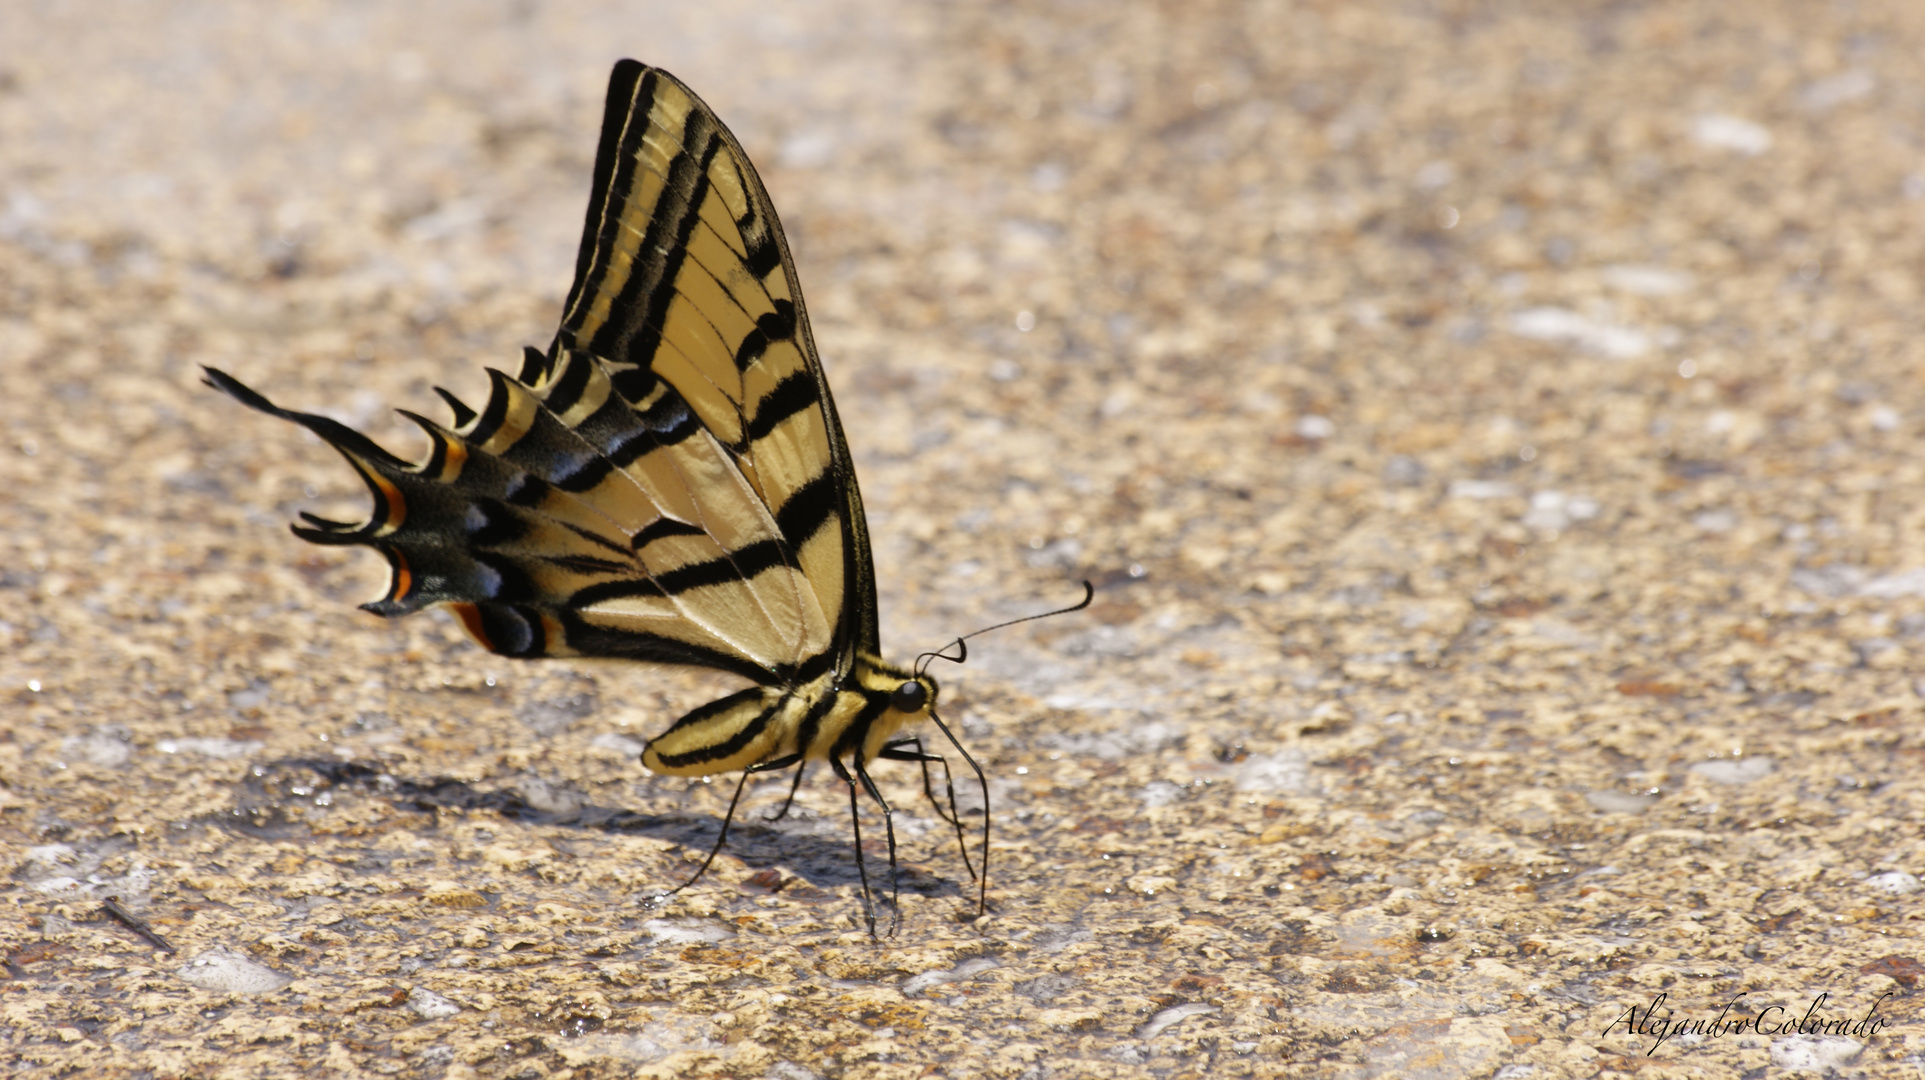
668,482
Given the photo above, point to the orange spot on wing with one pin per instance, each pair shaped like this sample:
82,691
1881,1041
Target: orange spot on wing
470,617
396,510
403,577
457,457
553,636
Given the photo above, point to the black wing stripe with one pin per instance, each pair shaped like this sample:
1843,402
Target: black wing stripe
588,564
587,473
764,254
595,538
588,639
754,344
795,393
664,246
742,564
812,506
437,462
814,667
605,200
631,95
493,414
567,390
634,384
660,529
535,366
779,324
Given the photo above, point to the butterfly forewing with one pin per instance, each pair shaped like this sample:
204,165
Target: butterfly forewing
686,293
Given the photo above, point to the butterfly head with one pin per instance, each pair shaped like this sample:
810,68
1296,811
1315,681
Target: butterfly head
892,699
902,696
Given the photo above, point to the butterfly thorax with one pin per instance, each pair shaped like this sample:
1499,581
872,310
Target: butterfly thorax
840,717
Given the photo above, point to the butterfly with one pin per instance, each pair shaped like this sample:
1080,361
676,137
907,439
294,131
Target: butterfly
668,482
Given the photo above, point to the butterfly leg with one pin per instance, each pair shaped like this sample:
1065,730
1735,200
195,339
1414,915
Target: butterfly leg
790,801
855,821
910,749
982,883
764,766
889,824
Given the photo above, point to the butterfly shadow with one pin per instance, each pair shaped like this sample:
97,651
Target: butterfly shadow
791,844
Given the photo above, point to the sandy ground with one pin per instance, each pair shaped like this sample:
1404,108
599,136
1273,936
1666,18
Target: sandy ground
1492,430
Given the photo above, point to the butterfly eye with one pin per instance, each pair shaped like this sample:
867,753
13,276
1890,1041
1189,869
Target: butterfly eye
909,697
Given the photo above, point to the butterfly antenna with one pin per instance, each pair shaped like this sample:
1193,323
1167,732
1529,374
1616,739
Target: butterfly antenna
962,650
962,654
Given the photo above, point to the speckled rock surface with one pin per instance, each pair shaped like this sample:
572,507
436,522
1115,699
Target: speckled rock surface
1494,432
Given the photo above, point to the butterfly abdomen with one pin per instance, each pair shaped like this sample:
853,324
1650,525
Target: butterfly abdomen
734,732
816,722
